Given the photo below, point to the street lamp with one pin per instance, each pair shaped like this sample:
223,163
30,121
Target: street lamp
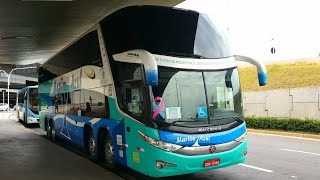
8,76
3,93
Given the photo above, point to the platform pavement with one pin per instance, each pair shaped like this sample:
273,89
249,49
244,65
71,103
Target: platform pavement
26,155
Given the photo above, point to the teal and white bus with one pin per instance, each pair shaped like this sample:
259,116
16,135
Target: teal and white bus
27,105
155,89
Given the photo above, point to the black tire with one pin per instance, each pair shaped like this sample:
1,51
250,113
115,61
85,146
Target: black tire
18,117
24,119
92,149
51,133
107,151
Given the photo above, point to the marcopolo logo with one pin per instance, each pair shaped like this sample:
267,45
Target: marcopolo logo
209,129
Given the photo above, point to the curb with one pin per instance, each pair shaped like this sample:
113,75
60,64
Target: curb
284,133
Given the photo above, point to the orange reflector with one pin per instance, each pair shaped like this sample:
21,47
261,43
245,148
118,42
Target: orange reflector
211,162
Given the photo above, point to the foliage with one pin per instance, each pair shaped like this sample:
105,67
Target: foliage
285,124
282,76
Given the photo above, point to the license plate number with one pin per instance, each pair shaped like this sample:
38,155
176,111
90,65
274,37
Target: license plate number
211,162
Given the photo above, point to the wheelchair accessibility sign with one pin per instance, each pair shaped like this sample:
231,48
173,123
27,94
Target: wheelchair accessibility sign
202,112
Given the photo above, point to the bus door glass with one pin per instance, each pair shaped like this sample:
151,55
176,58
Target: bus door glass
33,100
25,101
134,100
25,105
131,97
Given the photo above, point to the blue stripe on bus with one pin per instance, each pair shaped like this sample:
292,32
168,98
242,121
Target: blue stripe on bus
202,139
75,133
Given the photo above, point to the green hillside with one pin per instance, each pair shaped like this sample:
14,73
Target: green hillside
282,76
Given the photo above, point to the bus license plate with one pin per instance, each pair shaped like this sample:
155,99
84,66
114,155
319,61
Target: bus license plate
211,162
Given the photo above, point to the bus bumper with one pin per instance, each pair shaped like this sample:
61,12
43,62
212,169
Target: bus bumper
32,120
182,164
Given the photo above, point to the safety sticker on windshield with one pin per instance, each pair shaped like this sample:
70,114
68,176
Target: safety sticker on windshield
173,113
202,112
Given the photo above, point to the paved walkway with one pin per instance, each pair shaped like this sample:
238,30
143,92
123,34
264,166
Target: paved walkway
26,155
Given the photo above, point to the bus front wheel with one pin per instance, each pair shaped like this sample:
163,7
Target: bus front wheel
91,146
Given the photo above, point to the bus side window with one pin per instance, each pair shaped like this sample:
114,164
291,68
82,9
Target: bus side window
94,103
107,108
73,102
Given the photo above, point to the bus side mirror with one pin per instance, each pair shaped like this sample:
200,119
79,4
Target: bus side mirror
139,56
261,68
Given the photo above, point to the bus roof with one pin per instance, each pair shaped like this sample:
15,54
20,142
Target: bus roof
164,31
28,87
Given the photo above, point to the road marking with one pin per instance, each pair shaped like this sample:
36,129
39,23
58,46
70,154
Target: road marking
293,137
300,151
257,168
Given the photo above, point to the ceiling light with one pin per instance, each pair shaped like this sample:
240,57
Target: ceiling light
47,0
15,37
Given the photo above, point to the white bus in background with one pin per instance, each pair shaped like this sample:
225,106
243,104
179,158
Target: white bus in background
27,105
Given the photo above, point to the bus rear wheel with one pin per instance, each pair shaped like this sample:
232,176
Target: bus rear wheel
108,153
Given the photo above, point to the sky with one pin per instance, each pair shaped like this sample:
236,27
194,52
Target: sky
253,27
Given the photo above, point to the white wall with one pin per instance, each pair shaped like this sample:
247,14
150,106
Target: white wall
283,103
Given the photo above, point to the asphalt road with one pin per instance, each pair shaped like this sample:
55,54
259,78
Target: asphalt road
269,157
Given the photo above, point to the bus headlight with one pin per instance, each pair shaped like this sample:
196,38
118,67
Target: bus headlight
242,138
160,144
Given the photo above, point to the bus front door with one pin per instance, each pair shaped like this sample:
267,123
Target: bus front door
134,105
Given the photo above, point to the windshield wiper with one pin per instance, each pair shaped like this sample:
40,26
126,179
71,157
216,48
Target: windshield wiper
240,117
175,122
198,56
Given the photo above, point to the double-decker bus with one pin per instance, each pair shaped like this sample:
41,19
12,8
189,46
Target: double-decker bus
155,89
27,105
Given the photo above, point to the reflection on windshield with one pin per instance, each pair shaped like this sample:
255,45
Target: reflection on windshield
197,97
33,100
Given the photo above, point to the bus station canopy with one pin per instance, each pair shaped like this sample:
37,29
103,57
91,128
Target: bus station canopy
34,30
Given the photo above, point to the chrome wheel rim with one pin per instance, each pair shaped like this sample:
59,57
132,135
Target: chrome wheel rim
92,146
49,131
108,149
53,133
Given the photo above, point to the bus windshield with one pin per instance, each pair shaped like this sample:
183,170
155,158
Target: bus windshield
191,98
33,100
